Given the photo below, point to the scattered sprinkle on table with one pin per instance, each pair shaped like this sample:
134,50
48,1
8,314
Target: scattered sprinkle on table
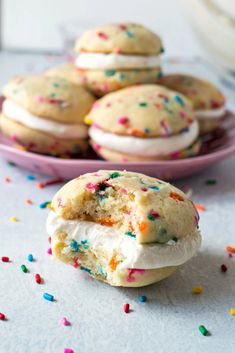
126,308
203,330
30,177
223,268
211,182
230,249
65,321
5,259
13,219
7,180
2,317
49,182
200,207
28,202
232,311
142,298
44,204
197,290
48,297
24,268
49,251
30,258
38,279
68,350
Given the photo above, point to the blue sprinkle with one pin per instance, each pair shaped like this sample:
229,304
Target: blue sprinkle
109,73
154,187
146,130
186,129
30,257
44,204
100,271
179,100
142,298
130,234
30,177
130,34
48,297
74,245
86,269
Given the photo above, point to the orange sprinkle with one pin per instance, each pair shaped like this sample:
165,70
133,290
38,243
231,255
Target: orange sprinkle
29,202
113,262
40,185
199,207
106,221
137,132
176,196
230,249
143,225
131,227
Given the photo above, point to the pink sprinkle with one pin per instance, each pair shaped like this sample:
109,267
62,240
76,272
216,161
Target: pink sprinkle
14,137
102,35
182,114
196,220
96,125
40,99
96,146
49,251
144,189
49,240
166,127
175,155
123,190
91,187
123,120
65,321
122,26
108,105
230,255
7,180
68,350
75,264
154,214
132,271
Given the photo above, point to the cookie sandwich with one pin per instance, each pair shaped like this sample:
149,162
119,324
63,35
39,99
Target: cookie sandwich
114,56
123,228
45,115
143,123
208,101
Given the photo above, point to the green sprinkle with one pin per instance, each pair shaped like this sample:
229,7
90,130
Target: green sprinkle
211,182
122,77
53,95
130,234
203,330
86,269
56,85
130,34
162,50
115,175
24,268
175,239
143,104
162,232
151,217
109,73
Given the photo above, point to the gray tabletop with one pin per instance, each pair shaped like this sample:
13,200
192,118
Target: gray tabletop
167,323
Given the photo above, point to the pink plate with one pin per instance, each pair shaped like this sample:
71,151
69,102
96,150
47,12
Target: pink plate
216,147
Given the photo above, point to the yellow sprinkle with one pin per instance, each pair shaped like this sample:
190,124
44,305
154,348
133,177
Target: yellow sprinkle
49,205
14,219
197,290
88,120
232,311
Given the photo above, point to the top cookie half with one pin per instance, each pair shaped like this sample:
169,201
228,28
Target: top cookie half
121,38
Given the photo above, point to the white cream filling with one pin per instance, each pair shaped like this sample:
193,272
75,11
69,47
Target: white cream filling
97,61
71,131
135,255
145,146
210,114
